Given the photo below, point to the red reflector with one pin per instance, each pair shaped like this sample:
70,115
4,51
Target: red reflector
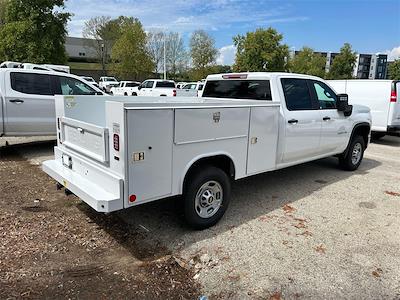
116,142
234,76
393,96
174,93
132,198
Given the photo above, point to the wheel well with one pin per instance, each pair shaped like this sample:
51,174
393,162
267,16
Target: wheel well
362,130
223,162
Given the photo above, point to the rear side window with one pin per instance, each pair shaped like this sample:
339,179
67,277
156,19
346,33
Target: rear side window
238,89
31,83
165,84
297,94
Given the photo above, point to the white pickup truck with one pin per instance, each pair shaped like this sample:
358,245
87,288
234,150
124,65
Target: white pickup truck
106,83
157,88
125,88
191,89
115,155
27,99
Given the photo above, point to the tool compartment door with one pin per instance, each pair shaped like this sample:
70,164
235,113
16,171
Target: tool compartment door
263,139
149,139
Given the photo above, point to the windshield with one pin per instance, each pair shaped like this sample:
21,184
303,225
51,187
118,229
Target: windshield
165,84
238,89
131,84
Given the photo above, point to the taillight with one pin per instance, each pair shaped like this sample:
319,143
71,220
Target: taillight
393,95
174,93
116,142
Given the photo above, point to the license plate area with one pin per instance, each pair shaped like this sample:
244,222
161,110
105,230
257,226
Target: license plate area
67,161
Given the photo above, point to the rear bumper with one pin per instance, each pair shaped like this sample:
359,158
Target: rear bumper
393,129
89,191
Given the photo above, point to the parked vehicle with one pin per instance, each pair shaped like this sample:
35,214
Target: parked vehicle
180,85
30,66
27,99
114,154
190,89
126,88
106,83
156,88
381,96
90,80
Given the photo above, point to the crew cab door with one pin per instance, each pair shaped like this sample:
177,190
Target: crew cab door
302,121
29,104
147,88
335,126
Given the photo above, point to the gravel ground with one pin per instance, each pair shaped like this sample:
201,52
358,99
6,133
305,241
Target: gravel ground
310,231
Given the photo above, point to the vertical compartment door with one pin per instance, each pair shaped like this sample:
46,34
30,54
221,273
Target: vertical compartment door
149,139
263,139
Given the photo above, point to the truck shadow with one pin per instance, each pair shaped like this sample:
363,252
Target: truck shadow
389,140
152,230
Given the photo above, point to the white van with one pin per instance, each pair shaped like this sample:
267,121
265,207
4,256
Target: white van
381,96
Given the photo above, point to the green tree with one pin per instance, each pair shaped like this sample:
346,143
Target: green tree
34,31
203,53
130,53
3,9
343,64
176,56
308,62
261,50
394,70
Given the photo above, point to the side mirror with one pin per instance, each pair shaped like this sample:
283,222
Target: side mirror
139,87
343,104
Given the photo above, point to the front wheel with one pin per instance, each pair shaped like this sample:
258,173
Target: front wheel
352,160
206,197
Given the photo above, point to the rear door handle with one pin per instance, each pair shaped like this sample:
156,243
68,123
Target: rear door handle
293,121
18,101
326,118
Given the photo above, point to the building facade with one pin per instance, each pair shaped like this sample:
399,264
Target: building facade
79,49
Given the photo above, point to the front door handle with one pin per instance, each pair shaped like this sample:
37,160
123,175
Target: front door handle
293,121
326,118
18,101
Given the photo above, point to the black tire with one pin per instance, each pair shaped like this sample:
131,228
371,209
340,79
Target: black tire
377,135
125,94
134,94
347,161
199,178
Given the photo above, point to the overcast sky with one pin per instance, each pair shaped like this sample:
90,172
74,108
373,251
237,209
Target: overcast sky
370,26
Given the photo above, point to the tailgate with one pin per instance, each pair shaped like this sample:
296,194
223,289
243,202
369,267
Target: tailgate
86,139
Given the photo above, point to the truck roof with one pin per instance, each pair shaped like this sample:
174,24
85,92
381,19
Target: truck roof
258,75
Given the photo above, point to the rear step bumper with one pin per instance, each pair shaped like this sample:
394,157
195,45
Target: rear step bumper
91,193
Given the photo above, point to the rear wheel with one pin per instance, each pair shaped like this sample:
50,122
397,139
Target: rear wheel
134,94
206,197
125,94
352,159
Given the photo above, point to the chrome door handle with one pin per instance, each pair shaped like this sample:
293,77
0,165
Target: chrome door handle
293,121
17,101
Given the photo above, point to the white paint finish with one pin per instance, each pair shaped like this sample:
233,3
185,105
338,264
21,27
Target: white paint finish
372,93
100,189
150,132
335,132
394,109
199,125
262,139
85,138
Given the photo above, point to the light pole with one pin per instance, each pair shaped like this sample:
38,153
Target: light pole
165,63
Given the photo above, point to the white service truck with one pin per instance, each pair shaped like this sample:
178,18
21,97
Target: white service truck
381,96
157,88
115,155
27,99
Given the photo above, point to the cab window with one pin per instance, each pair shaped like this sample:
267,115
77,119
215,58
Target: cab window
326,97
72,86
31,83
238,89
297,94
